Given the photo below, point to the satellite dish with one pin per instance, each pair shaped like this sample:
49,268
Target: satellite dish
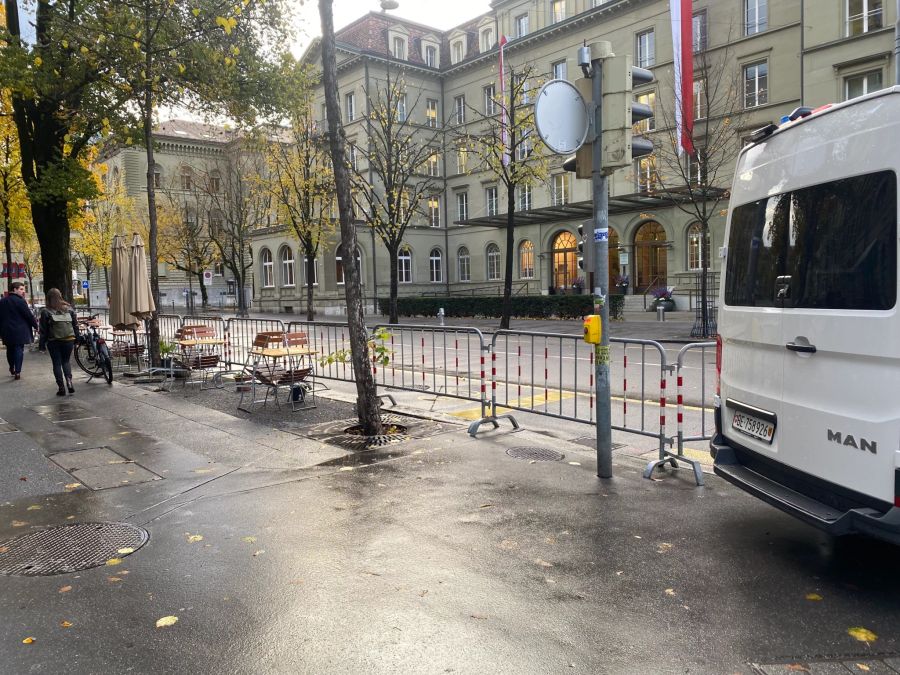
389,4
561,116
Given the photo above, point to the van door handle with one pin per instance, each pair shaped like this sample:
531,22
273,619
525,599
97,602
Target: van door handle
806,349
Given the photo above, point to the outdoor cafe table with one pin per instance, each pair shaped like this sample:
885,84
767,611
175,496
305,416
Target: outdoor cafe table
263,368
195,351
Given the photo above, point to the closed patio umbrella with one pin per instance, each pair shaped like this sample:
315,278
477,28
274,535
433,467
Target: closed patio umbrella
118,287
139,300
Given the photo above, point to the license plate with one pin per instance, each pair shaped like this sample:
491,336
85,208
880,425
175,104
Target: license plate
753,426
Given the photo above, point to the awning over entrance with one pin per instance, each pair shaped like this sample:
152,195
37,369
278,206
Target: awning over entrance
638,201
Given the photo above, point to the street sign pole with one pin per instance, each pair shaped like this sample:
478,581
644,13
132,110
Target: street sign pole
600,193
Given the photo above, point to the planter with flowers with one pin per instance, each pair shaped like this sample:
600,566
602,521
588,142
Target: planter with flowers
578,286
662,297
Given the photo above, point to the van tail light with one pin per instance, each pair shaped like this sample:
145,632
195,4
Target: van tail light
718,364
897,488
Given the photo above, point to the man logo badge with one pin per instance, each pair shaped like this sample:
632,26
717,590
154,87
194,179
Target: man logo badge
850,441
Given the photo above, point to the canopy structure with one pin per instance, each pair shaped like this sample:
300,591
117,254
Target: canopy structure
118,284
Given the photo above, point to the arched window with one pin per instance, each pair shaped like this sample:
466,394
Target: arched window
436,266
463,259
404,265
526,260
339,267
650,256
315,271
696,251
157,176
565,260
287,266
215,181
268,268
493,262
187,178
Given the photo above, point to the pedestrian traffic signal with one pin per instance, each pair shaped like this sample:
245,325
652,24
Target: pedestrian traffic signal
619,113
586,246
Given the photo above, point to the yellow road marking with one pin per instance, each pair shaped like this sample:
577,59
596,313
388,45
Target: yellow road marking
523,402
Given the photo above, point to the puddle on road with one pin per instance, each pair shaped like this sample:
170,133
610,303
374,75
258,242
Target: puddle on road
363,458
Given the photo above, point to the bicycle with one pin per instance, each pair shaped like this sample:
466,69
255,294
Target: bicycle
91,351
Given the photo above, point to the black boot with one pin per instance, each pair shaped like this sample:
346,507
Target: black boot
69,385
61,392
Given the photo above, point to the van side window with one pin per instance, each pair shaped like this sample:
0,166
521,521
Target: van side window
829,246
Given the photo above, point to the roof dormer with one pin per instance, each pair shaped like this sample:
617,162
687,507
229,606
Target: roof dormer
431,50
458,46
398,42
487,34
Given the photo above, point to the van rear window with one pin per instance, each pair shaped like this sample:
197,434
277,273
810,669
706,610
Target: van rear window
829,246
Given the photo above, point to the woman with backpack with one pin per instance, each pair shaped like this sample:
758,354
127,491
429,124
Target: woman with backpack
59,331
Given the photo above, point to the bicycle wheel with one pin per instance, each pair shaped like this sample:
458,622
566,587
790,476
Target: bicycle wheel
86,358
105,362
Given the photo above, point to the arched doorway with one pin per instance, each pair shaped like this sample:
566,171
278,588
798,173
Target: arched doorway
564,257
650,252
614,268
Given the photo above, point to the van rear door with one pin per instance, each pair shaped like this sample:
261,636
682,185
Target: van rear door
840,420
752,345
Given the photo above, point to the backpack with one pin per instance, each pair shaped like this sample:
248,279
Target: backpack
60,325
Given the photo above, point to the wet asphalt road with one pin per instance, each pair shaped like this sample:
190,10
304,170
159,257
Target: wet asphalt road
445,556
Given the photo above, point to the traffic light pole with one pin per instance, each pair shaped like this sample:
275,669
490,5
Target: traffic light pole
600,192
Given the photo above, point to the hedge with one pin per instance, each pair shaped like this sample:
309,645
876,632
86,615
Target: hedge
523,306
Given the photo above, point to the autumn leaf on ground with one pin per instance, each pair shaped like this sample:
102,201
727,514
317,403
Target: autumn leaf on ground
167,621
862,634
4,549
194,538
114,561
575,463
509,545
797,668
73,486
258,553
249,540
670,591
486,506
346,468
28,641
543,563
663,548
65,589
813,596
34,507
479,616
125,551
114,579
19,523
65,624
863,667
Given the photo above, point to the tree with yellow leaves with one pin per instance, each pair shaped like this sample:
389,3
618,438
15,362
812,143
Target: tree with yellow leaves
14,216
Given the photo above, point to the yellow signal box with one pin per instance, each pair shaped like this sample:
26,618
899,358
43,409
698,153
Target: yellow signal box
592,329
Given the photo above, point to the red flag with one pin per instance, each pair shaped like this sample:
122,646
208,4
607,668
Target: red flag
504,111
683,48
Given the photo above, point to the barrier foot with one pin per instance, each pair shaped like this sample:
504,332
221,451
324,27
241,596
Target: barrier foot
673,460
393,401
493,419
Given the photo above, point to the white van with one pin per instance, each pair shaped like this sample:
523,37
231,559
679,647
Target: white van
808,406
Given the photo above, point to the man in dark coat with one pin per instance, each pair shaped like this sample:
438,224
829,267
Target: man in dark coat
17,324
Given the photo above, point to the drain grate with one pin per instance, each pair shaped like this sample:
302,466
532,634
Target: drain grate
69,548
591,442
536,454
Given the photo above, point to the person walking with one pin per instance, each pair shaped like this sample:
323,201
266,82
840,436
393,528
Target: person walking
17,326
59,331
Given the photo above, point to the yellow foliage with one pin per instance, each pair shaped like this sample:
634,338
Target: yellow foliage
227,24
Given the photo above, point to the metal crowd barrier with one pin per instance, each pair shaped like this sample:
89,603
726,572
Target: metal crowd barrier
168,326
239,335
328,337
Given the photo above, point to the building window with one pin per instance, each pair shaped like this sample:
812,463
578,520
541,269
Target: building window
645,48
462,159
434,211
559,190
352,156
431,56
434,164
219,269
456,51
557,10
701,109
398,47
187,178
523,198
862,84
522,25
493,262
490,200
435,266
157,176
459,104
695,170
523,86
487,39
695,249
564,253
431,112
339,268
350,107
463,260
268,268
756,16
287,266
315,272
404,265
462,205
558,70
524,146
645,172
864,16
526,260
215,181
401,108
648,124
756,78
490,104
699,31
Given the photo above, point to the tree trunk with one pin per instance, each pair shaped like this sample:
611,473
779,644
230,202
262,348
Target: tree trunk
147,114
310,256
393,314
8,245
510,243
204,293
368,405
51,224
241,299
704,271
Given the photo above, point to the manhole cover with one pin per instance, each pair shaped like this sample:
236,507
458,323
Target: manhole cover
537,454
69,548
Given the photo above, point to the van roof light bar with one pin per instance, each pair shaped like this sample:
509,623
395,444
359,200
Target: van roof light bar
763,133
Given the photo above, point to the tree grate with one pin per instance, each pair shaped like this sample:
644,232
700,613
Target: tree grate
68,548
536,454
